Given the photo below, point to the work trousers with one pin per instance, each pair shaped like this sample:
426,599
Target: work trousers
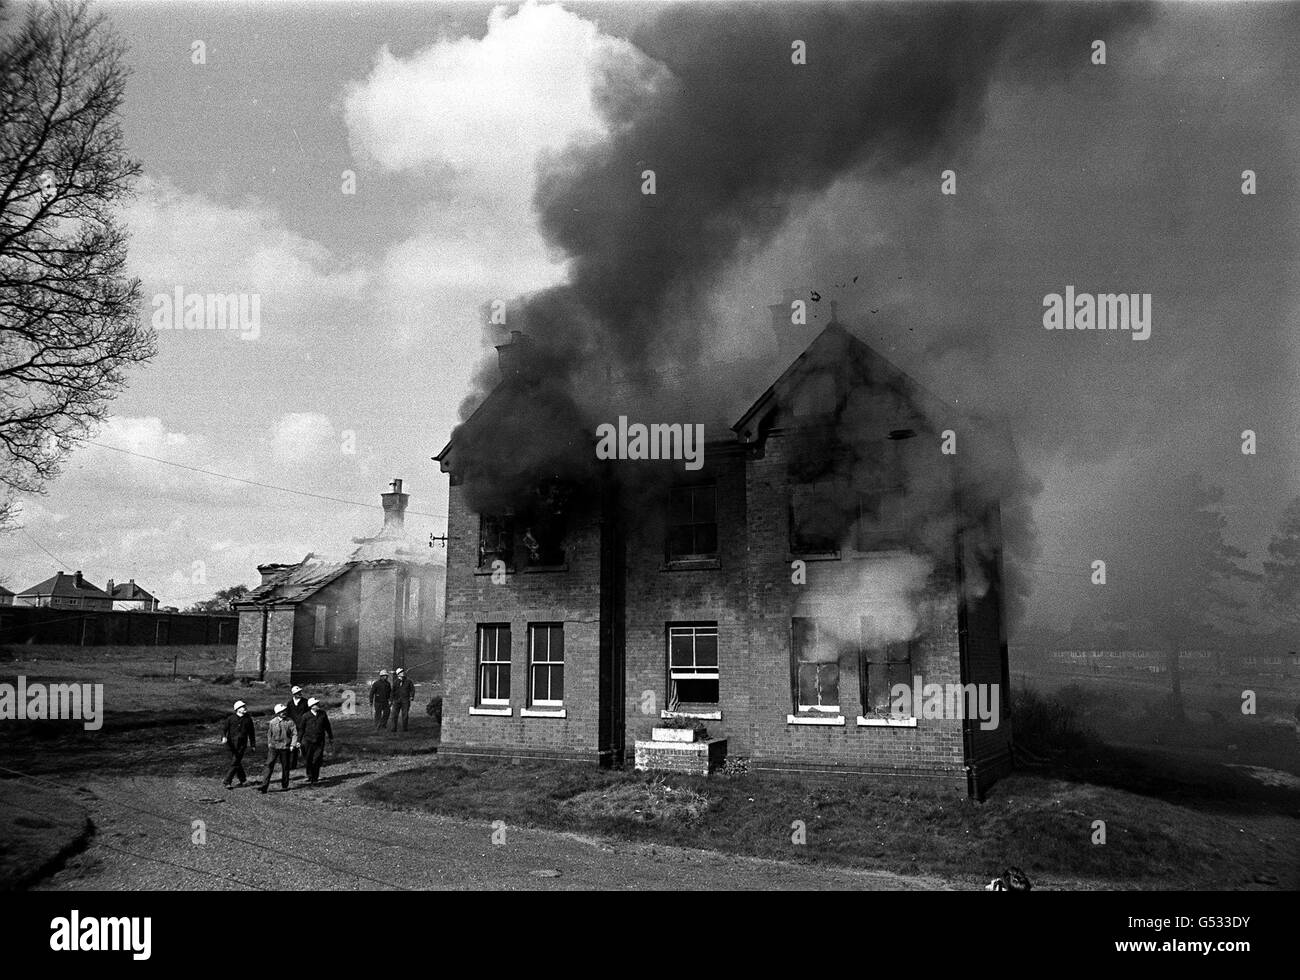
236,764
272,757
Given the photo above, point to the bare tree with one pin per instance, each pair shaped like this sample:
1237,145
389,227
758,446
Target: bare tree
69,315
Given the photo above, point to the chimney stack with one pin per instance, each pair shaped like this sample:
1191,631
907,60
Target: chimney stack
514,356
76,580
109,590
793,338
394,508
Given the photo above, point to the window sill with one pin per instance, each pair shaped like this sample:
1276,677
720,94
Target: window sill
836,721
884,549
489,570
886,722
699,715
813,556
690,564
505,712
543,712
538,569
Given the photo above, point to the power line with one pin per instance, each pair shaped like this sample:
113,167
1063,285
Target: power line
59,565
253,483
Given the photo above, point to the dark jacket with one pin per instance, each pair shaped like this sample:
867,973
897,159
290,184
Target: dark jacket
315,727
380,691
297,710
237,732
403,691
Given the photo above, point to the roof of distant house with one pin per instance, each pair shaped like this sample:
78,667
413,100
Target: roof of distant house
130,592
4,591
64,586
293,584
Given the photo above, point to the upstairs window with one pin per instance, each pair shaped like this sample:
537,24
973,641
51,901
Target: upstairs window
814,667
693,522
693,664
496,540
817,520
882,519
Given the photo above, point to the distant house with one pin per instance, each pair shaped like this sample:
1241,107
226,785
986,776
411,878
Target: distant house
329,619
130,597
65,591
6,597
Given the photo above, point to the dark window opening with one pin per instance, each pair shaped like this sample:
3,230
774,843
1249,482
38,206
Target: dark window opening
496,540
692,522
817,518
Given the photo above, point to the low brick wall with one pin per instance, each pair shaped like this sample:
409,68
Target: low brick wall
697,758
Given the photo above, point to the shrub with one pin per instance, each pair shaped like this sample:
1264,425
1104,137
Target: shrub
434,708
1045,724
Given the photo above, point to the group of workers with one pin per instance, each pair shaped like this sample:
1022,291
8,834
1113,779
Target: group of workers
302,727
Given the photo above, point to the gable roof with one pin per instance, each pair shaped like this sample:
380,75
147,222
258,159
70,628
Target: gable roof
130,592
4,591
64,586
835,345
295,583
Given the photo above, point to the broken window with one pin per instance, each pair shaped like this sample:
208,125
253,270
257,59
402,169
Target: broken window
543,539
817,518
693,522
693,664
882,519
880,667
496,540
546,664
411,600
494,663
319,625
815,666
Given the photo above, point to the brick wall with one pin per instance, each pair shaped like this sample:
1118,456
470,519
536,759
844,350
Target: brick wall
570,596
660,593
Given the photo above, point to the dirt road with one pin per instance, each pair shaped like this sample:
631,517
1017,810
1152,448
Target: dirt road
147,838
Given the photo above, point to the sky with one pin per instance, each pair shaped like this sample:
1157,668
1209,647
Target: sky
1118,177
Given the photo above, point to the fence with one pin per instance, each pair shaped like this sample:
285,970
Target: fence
94,628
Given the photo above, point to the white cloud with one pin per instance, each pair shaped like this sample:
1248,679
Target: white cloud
485,107
189,240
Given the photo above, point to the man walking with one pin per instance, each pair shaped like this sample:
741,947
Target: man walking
238,735
297,712
403,692
281,741
380,691
315,730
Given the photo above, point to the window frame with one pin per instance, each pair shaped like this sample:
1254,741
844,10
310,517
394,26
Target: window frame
831,485
883,656
550,665
696,672
672,524
482,631
798,664
508,532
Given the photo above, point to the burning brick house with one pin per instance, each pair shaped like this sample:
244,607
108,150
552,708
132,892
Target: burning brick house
827,550
334,619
